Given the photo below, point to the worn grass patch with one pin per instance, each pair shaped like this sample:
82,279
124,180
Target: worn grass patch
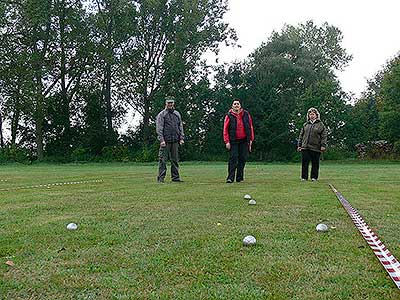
141,240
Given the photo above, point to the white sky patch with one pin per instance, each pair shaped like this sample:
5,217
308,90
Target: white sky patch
370,30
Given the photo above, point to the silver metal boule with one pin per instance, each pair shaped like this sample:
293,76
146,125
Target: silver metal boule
247,197
321,227
72,226
249,240
252,202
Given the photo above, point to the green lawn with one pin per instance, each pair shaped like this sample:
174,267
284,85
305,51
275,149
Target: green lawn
138,239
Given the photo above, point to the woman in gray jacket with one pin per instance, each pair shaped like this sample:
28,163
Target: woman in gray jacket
312,142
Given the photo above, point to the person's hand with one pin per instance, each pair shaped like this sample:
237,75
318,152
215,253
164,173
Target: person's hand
163,144
228,146
181,142
299,149
250,145
323,149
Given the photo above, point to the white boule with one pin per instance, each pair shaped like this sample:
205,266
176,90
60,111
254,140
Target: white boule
249,240
252,202
247,197
321,227
72,226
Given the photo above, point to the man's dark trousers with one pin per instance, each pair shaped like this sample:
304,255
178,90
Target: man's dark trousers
237,159
306,157
169,151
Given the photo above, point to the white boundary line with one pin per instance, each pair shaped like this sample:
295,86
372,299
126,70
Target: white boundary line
50,184
388,261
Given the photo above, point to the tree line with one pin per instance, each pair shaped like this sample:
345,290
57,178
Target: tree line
71,71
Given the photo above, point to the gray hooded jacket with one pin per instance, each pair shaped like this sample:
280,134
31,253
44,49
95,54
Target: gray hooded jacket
169,126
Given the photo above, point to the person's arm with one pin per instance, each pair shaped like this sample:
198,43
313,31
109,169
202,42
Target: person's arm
251,133
324,138
251,129
160,127
225,131
181,132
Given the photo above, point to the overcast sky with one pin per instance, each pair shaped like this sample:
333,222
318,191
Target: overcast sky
371,30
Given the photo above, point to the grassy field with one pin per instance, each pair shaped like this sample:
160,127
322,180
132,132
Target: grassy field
138,239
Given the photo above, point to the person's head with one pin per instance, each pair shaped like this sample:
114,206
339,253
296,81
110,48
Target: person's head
236,106
169,102
312,114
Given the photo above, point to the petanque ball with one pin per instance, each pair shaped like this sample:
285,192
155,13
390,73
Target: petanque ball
72,226
249,240
247,197
321,228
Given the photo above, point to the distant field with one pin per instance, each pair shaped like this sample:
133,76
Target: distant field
138,239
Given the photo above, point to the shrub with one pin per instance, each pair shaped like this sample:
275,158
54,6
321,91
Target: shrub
80,154
14,154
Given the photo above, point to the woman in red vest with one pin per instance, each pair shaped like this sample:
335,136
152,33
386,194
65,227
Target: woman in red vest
238,138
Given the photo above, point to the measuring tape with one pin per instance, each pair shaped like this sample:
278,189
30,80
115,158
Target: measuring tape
388,261
50,184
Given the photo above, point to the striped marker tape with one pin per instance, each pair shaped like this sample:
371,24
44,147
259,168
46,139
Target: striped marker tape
388,261
50,184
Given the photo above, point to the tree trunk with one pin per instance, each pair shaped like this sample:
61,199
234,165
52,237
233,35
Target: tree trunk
64,93
39,126
39,114
1,131
14,124
146,122
107,98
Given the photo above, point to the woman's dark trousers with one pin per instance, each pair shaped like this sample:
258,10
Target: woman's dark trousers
306,157
237,160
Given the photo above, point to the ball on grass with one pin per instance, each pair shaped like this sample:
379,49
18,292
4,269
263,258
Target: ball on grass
72,226
321,228
247,197
249,240
252,202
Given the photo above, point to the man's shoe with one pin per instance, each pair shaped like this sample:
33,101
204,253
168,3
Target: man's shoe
303,179
177,180
313,179
229,181
239,180
160,180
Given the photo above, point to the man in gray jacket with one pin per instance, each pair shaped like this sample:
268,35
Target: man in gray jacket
170,134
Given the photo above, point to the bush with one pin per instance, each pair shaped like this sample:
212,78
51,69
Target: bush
80,154
375,150
115,153
396,148
14,154
147,154
336,153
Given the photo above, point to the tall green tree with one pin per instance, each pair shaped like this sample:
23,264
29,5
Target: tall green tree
113,31
1,123
74,52
365,112
165,55
389,102
294,68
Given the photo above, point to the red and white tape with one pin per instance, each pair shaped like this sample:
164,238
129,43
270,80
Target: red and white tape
50,184
388,261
